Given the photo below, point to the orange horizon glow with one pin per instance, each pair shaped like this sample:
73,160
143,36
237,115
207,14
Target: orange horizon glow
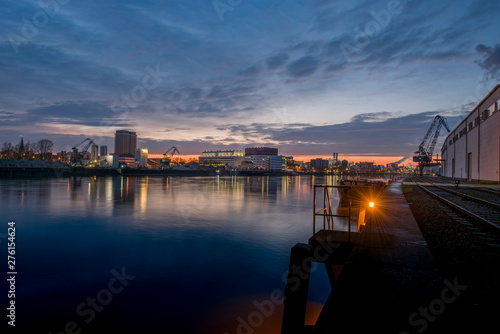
376,159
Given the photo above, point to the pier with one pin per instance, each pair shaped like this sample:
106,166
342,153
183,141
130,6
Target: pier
380,276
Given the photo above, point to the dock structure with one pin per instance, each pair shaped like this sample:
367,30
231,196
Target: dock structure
381,275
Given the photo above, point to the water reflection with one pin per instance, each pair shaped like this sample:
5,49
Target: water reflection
192,242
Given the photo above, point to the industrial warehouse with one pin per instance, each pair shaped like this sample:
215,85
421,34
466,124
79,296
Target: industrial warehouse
471,150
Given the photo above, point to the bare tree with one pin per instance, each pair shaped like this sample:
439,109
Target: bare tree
45,148
7,151
30,150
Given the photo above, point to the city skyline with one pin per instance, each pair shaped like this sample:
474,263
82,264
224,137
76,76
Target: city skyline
309,77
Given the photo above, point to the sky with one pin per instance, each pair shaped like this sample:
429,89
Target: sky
311,77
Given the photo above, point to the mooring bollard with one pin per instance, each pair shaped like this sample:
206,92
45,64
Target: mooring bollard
297,288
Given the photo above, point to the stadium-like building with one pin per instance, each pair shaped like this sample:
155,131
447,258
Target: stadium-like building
472,150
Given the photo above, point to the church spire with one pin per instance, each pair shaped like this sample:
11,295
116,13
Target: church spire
21,148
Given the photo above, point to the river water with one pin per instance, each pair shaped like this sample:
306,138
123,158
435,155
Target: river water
157,254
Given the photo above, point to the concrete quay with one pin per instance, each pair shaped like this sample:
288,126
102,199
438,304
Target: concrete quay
384,279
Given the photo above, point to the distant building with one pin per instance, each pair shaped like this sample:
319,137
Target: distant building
125,143
392,166
141,157
104,150
265,158
365,166
319,163
472,150
111,161
260,151
63,156
93,152
229,158
267,162
126,161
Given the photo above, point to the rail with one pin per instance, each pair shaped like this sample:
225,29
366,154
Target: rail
474,215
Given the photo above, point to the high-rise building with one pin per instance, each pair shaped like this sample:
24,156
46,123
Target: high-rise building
104,150
125,143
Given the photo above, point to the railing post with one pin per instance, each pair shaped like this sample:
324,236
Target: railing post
314,211
349,223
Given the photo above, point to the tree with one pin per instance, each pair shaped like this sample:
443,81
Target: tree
45,148
31,150
7,151
179,161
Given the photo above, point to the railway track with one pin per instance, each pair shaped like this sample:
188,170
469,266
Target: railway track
467,206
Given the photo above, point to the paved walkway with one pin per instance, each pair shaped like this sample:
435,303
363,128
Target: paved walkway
380,289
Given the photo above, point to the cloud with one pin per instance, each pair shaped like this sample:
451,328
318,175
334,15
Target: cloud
303,67
88,113
251,71
277,61
369,133
491,59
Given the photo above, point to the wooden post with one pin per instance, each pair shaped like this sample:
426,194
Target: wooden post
297,288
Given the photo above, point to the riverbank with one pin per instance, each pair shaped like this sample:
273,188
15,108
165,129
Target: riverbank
66,171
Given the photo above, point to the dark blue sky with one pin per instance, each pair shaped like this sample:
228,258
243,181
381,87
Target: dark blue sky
310,77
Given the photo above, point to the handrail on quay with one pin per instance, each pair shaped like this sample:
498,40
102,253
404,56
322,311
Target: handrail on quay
327,212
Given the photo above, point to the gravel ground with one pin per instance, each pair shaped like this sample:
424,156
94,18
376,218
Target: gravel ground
461,255
487,196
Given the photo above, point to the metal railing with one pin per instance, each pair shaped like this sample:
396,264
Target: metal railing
326,212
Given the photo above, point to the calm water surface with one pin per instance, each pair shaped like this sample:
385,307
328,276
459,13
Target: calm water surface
202,250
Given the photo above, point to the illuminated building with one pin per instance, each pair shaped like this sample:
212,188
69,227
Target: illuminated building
471,150
141,157
265,158
125,143
221,158
126,161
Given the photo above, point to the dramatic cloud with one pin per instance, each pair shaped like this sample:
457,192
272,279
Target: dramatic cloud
363,134
491,62
304,75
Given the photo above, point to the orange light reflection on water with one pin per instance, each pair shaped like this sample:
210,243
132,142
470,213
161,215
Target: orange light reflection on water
254,314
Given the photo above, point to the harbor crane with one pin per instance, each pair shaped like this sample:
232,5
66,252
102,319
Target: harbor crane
426,148
77,155
169,155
